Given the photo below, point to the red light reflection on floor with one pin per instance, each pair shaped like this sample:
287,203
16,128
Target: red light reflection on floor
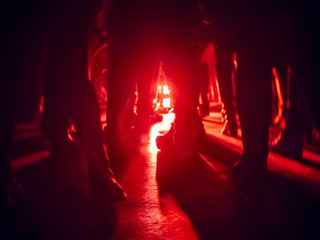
146,215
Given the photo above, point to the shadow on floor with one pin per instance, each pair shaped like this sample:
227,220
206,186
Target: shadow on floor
58,204
278,208
214,208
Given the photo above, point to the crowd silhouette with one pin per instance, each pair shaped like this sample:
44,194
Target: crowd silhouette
139,34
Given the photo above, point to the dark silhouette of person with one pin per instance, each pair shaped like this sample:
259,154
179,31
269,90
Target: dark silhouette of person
300,38
298,121
206,32
132,60
225,75
203,37
224,35
69,96
176,26
157,30
18,98
15,25
249,28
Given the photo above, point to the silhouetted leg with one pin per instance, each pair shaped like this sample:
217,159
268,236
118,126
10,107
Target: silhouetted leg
86,117
298,123
70,96
56,115
6,120
204,85
121,87
224,73
254,109
203,71
180,65
144,83
10,63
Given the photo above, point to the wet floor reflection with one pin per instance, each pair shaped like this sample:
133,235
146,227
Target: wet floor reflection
146,215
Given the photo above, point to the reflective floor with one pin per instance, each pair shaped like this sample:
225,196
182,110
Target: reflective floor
169,197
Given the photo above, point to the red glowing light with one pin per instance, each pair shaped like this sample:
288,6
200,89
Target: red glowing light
162,101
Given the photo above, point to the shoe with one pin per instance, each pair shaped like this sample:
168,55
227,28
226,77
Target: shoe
230,129
106,188
238,170
185,138
165,142
248,179
289,143
204,110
